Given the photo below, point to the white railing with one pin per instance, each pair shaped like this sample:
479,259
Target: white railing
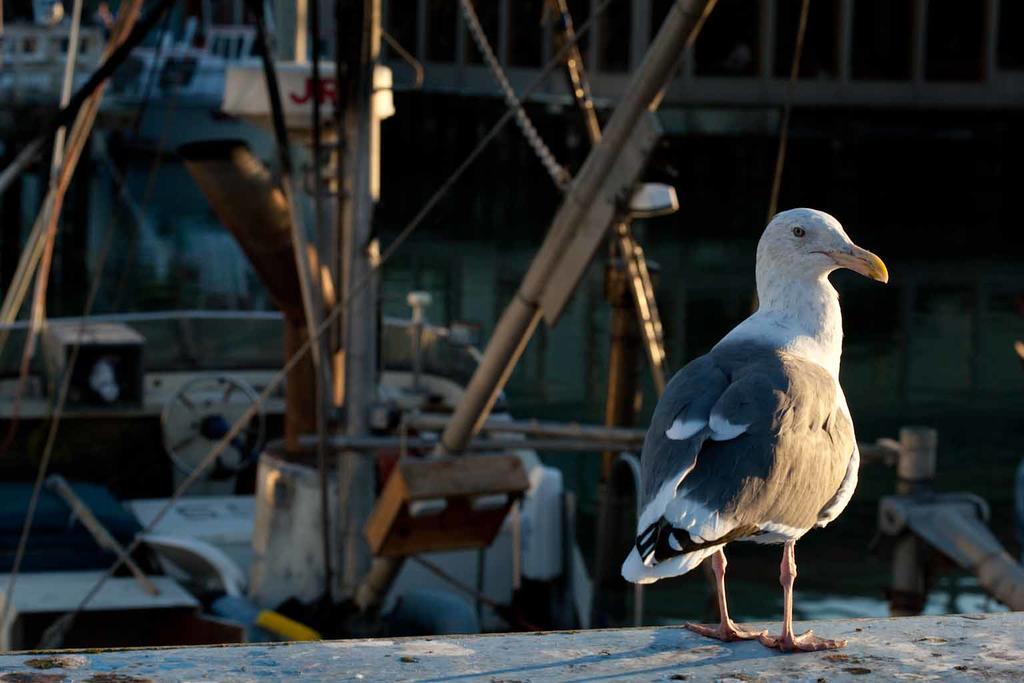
451,68
32,59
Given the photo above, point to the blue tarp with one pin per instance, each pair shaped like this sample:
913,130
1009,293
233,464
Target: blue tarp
58,540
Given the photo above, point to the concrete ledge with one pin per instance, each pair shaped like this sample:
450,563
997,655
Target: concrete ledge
970,647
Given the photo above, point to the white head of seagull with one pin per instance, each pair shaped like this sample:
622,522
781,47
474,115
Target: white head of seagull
798,307
802,246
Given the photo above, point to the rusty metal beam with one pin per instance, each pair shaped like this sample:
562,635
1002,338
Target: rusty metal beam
250,204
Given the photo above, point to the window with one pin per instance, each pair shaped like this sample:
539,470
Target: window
882,39
615,37
525,32
401,23
1010,50
487,13
819,55
954,41
441,30
728,43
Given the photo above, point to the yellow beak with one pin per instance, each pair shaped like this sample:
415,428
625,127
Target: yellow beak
861,261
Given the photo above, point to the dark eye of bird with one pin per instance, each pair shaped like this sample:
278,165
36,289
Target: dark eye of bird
799,232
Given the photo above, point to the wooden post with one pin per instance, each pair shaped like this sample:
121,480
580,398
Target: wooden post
916,472
916,466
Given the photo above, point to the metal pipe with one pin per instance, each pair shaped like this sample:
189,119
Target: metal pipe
522,315
959,534
69,81
418,301
321,230
360,257
625,438
575,76
367,443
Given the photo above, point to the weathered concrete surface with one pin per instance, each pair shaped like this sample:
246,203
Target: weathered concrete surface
984,647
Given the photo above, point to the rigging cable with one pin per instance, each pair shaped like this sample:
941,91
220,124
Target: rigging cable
38,249
51,214
794,73
126,18
82,108
54,633
139,213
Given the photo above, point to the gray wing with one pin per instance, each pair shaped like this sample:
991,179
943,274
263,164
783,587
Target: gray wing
687,399
790,461
772,452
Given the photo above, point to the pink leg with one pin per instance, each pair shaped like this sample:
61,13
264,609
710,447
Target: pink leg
726,630
787,641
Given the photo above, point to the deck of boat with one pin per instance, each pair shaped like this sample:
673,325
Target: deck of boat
988,647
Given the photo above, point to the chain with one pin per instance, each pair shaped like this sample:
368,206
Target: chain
559,175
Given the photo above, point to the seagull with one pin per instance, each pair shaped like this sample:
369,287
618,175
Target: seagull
753,441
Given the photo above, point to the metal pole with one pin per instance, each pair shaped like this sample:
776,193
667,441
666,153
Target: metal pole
575,77
626,438
916,472
360,254
522,315
609,606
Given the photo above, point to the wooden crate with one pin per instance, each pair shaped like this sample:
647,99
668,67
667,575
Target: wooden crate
445,504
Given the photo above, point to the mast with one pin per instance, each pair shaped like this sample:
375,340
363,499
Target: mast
360,253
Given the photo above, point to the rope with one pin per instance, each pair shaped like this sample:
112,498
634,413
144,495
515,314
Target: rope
54,634
127,18
38,308
558,174
794,72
